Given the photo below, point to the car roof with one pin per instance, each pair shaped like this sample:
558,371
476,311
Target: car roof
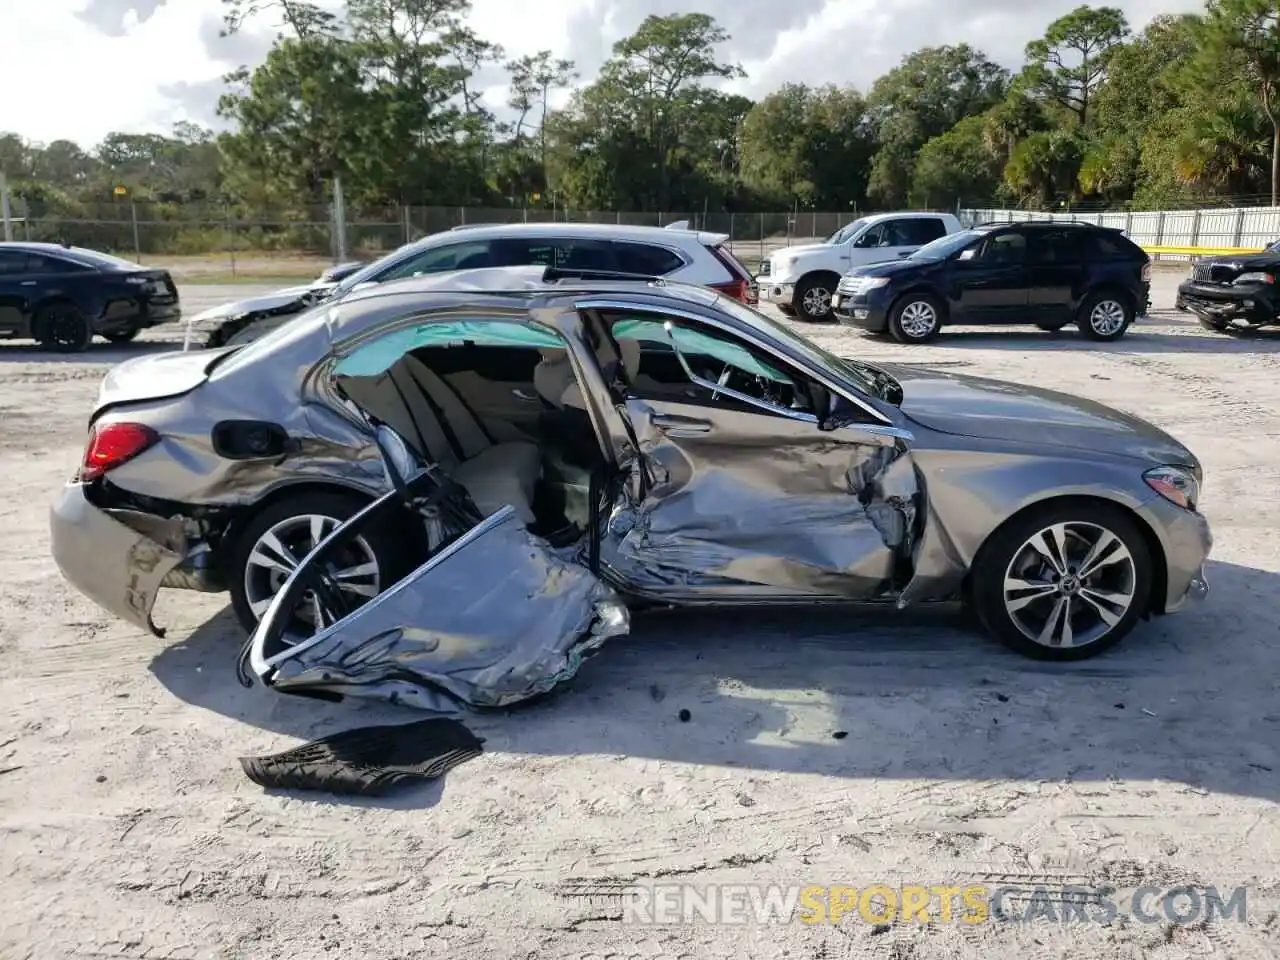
26,246
904,215
618,231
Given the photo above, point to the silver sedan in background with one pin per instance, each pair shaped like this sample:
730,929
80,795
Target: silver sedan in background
569,448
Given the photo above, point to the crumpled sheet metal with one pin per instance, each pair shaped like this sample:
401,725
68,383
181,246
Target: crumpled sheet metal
501,619
723,524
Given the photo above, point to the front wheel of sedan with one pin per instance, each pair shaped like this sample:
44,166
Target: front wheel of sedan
1063,582
272,544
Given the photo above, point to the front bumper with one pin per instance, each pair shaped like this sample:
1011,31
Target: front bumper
1258,303
1187,541
866,311
116,558
771,291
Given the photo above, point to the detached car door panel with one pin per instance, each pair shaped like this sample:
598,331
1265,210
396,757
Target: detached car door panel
493,617
749,498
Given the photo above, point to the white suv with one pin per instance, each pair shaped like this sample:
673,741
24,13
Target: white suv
800,280
690,256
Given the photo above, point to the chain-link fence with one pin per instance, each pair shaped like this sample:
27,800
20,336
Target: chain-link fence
233,241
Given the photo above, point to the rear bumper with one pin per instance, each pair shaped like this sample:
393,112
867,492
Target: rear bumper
142,316
116,558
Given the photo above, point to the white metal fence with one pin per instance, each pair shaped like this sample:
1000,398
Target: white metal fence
1169,234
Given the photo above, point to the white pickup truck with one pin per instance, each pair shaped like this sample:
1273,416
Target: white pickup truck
800,280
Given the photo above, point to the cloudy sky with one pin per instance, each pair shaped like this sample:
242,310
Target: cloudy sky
142,65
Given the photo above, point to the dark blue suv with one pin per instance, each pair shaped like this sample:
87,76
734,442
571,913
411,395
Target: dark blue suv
1048,274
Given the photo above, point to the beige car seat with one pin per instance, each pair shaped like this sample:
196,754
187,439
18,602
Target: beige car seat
433,419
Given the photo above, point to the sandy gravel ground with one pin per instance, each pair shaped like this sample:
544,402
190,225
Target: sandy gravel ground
128,829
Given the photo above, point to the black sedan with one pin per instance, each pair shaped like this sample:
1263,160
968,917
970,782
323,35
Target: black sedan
62,296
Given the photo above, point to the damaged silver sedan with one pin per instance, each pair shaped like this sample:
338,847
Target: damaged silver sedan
566,448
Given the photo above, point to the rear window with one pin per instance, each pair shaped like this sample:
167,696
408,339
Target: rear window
102,261
646,259
725,256
1108,245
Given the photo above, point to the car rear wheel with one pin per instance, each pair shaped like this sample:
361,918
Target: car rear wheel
63,328
1105,316
272,544
916,318
813,298
1063,582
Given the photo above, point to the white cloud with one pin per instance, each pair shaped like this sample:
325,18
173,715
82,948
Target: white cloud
141,65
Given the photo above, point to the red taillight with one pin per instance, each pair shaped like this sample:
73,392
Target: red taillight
739,290
742,287
112,444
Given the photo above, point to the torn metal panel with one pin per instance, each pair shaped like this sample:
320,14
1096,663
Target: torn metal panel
494,618
147,548
822,512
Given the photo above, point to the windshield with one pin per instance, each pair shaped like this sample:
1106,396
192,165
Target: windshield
299,325
867,378
846,232
368,273
943,247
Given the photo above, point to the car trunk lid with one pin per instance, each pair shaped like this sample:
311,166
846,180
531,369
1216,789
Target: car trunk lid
156,377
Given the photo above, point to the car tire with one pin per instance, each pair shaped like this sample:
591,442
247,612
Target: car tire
122,336
813,298
289,522
1105,316
62,328
916,318
1101,607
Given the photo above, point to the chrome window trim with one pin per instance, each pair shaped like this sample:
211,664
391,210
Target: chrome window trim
606,304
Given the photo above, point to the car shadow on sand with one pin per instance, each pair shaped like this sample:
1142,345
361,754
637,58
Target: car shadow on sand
1187,337
868,692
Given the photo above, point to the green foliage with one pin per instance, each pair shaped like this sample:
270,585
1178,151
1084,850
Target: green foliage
384,94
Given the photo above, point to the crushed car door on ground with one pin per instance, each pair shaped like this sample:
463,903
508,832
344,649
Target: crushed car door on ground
747,494
495,617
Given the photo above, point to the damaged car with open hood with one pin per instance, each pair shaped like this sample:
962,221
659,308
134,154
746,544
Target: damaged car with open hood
454,488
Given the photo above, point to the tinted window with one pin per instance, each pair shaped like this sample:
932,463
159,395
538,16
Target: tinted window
456,256
649,260
1004,248
1105,245
97,260
1058,246
14,262
918,231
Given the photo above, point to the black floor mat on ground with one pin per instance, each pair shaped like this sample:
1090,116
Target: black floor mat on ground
370,760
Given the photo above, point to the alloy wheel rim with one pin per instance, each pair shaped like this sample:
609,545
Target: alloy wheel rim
64,328
918,319
281,548
817,301
1069,585
1107,317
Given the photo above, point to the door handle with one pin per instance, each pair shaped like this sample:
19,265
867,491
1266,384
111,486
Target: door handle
521,395
27,283
680,426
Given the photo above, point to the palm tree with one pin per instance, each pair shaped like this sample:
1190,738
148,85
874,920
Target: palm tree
1227,151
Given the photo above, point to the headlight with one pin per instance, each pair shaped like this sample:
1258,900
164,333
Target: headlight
873,283
1255,278
1176,484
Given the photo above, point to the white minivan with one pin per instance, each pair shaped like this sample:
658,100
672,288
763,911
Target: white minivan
800,280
